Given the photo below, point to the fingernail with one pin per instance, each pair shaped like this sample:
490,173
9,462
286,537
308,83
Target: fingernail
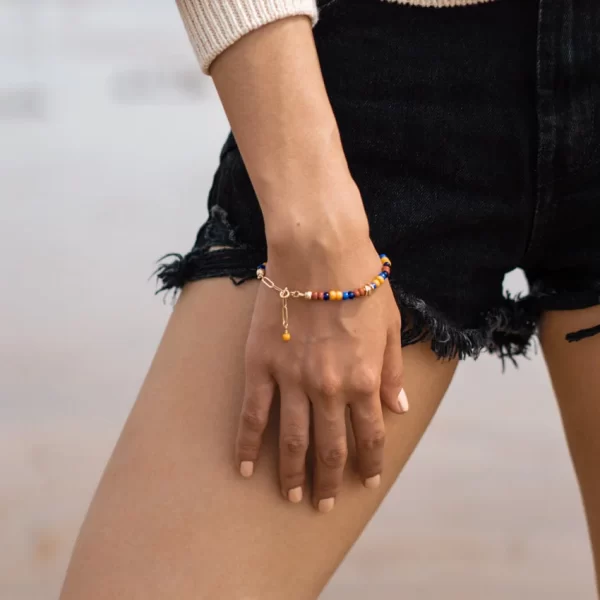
246,468
295,495
373,482
326,504
402,401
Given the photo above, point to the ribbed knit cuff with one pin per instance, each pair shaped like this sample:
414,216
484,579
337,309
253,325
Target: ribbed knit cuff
214,25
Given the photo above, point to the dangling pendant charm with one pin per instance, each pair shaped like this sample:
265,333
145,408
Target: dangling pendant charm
284,295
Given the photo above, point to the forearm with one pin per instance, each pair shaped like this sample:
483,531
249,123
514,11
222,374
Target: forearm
272,90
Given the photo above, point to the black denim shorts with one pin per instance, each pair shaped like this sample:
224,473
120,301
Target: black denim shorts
473,134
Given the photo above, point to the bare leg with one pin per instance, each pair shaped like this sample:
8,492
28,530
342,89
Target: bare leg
575,372
172,517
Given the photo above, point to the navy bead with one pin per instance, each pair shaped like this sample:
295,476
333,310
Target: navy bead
373,286
382,256
351,295
345,296
326,296
384,274
387,264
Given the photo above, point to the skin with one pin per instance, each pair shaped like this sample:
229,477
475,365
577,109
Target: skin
173,518
576,379
345,357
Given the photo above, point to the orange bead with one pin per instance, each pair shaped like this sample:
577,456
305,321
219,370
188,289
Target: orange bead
357,293
286,336
340,295
320,295
332,295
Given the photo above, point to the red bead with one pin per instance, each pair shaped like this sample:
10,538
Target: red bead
356,292
320,295
315,296
386,269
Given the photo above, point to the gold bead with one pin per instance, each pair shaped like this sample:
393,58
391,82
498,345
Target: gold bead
332,295
339,295
380,279
286,337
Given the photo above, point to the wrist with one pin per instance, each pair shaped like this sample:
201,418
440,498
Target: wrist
324,221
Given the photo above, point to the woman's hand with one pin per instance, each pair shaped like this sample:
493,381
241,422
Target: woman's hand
341,355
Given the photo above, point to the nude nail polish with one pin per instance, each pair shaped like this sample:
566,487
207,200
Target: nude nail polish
402,401
373,482
326,504
295,495
246,468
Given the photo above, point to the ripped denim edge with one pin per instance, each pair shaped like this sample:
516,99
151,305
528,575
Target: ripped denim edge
217,253
506,330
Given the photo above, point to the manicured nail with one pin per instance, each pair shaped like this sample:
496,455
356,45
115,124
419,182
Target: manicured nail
295,495
373,482
326,504
246,468
402,401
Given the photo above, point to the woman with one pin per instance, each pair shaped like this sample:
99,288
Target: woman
461,143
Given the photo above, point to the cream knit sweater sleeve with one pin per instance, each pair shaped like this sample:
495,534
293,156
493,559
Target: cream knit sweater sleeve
213,25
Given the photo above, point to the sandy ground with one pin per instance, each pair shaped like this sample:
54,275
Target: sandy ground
108,139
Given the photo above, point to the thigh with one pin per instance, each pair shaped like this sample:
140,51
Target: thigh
172,517
575,373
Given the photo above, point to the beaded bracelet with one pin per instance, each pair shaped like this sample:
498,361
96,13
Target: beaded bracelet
285,293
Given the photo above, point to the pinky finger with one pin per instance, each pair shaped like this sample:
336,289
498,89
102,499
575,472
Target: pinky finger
392,393
258,397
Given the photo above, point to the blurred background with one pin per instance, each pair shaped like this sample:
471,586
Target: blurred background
109,136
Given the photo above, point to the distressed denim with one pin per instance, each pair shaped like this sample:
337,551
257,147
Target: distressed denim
473,134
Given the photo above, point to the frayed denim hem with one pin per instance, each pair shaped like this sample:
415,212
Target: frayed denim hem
507,330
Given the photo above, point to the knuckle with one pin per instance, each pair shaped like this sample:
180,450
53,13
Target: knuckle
327,489
294,445
247,451
328,385
334,458
375,441
292,476
365,381
253,419
394,378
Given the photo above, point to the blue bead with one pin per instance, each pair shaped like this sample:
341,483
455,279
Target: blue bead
351,295
382,256
373,286
384,274
326,296
345,296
